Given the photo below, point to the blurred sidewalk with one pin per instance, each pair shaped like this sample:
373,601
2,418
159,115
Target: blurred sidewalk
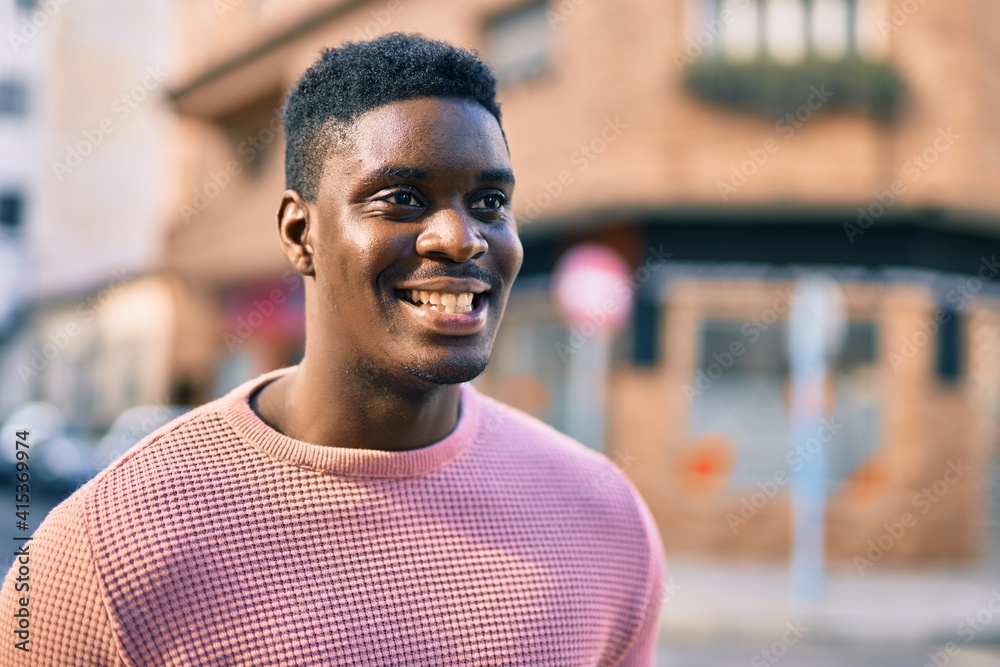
707,602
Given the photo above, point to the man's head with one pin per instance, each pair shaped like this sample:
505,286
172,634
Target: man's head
399,188
348,81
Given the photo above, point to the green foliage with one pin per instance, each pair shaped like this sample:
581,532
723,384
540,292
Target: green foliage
774,89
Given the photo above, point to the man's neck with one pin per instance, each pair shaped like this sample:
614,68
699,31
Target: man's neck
308,406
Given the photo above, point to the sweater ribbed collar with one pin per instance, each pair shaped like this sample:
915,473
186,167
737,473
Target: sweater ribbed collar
235,408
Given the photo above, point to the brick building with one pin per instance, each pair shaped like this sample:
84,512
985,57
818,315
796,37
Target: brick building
752,141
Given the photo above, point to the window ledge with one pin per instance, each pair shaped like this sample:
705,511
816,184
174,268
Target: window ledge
773,89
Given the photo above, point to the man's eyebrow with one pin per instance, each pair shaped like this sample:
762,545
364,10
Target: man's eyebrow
497,176
505,176
400,174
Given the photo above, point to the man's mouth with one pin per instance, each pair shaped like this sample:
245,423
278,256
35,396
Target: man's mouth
442,302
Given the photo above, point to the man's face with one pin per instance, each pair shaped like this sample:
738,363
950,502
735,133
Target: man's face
414,209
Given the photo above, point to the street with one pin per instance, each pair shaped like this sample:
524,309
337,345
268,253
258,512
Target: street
832,655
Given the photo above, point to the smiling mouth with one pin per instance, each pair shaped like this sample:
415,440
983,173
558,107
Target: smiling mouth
442,302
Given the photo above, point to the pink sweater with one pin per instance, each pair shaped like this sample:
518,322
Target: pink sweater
219,541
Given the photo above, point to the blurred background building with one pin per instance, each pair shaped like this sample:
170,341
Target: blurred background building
18,144
723,149
83,203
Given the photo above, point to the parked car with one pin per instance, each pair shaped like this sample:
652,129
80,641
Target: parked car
59,461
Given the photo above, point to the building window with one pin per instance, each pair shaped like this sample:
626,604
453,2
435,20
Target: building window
518,43
762,55
11,210
949,346
13,98
784,30
742,382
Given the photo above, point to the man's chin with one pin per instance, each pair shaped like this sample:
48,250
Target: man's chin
450,373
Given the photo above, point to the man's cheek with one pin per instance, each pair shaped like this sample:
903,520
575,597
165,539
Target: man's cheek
514,257
507,249
519,257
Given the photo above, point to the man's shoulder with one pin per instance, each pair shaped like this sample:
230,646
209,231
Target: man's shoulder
504,421
154,458
133,478
193,428
510,432
579,485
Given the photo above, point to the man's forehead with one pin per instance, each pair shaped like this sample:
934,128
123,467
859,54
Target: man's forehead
415,139
423,124
445,109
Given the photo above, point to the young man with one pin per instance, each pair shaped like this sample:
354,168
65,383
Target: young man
365,507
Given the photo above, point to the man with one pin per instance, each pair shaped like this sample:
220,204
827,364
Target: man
365,507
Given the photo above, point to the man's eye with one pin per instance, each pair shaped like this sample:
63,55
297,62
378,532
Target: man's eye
492,202
403,199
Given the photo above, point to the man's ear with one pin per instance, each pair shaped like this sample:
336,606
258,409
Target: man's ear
294,230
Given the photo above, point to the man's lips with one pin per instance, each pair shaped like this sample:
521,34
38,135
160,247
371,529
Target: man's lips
444,284
446,306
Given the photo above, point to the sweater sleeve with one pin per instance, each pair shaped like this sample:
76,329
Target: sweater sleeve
68,621
641,651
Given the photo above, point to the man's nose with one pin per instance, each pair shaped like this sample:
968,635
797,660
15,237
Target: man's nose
451,233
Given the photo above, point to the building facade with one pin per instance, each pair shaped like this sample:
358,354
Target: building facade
20,66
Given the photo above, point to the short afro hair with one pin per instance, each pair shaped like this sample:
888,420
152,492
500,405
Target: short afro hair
357,77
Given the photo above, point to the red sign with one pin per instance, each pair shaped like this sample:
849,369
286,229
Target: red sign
592,284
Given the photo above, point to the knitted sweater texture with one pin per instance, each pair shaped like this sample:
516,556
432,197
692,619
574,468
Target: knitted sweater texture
219,541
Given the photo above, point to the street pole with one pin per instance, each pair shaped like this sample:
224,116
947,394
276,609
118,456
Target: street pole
816,334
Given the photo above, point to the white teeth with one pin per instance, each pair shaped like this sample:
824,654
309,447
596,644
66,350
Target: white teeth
443,302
